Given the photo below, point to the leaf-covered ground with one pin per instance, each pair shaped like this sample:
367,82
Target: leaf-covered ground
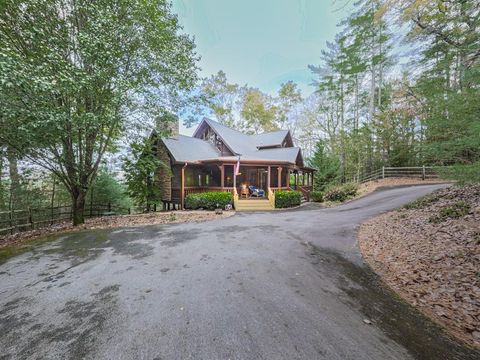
429,252
114,222
371,186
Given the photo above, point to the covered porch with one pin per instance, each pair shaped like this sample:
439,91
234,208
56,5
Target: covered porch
254,181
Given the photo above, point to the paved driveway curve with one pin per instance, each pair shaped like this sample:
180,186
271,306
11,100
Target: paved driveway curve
278,285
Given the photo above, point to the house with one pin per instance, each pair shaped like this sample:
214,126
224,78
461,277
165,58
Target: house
218,158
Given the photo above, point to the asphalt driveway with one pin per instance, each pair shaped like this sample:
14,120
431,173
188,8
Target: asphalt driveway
277,285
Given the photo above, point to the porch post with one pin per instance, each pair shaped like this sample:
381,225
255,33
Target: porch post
182,191
222,174
234,178
268,177
288,178
279,177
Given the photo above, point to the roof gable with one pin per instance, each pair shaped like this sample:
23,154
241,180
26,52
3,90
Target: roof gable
271,147
242,144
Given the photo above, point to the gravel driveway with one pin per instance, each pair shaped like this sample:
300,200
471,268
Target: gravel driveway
277,285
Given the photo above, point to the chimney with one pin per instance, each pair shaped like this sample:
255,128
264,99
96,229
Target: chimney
167,125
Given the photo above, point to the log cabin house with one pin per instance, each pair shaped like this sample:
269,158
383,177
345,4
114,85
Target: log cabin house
218,158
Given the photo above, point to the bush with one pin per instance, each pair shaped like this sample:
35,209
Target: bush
421,203
286,199
464,174
316,196
208,200
455,211
341,192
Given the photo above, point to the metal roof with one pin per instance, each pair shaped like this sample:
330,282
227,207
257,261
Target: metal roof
274,138
190,149
248,147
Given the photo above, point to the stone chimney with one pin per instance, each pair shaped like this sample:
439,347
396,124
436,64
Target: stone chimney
167,125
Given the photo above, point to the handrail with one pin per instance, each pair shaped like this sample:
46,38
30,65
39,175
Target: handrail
271,197
305,192
235,198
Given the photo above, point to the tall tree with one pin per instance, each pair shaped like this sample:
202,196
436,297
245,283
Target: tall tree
288,99
221,98
71,71
327,165
258,111
140,172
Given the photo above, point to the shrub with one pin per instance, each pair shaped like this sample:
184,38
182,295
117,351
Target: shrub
208,200
421,203
341,192
316,196
286,199
455,211
464,174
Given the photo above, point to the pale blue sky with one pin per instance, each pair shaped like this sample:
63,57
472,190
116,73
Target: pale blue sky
262,43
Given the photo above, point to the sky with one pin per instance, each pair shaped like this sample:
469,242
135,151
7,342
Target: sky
262,43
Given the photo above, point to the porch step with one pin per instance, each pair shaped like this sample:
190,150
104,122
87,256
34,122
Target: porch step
253,205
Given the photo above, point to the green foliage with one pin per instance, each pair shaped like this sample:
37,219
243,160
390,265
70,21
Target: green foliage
107,190
70,79
462,173
341,193
140,172
316,196
454,211
208,200
287,199
421,203
258,111
327,166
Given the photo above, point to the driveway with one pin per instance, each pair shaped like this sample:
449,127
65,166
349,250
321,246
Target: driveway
276,285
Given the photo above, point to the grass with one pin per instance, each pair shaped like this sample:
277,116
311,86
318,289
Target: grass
421,203
454,211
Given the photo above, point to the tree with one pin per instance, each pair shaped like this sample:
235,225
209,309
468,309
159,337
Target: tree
448,87
221,97
106,189
140,172
328,167
258,111
288,99
71,73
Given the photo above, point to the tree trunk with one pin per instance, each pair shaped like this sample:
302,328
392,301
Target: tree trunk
14,178
78,207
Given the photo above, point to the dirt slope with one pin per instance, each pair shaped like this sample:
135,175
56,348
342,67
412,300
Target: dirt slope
429,252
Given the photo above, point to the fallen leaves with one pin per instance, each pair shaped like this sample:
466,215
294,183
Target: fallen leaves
433,265
116,221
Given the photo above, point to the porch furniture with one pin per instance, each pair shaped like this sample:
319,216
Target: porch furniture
256,191
244,192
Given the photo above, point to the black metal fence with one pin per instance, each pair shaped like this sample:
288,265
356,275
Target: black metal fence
35,218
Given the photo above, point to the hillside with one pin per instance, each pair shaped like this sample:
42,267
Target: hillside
429,252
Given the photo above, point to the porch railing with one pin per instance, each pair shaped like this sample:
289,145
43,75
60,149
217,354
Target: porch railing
305,190
203,189
275,189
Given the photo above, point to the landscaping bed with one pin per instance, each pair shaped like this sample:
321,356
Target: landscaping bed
114,222
429,252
